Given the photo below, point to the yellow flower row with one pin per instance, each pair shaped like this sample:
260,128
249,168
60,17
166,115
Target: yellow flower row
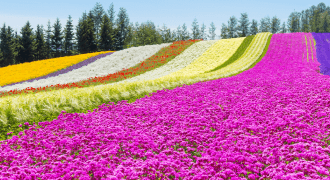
251,54
213,57
29,70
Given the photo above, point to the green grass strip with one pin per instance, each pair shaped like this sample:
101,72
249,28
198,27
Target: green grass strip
239,52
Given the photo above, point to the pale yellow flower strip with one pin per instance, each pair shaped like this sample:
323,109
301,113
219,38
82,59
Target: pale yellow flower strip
21,72
251,54
213,57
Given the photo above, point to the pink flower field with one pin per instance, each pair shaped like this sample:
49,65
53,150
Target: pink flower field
269,122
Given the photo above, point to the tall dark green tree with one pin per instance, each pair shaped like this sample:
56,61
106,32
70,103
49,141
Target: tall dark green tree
163,32
91,36
195,29
7,46
27,50
243,25
112,24
57,38
48,43
68,37
122,23
41,51
324,23
212,31
305,21
16,42
106,36
321,7
129,37
294,22
98,13
184,32
232,27
203,34
179,33
265,25
81,35
283,28
254,27
275,25
224,31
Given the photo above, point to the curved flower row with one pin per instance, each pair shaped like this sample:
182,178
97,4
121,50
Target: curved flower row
216,55
179,62
29,70
113,63
270,122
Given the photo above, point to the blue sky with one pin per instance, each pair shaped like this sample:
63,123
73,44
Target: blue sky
172,13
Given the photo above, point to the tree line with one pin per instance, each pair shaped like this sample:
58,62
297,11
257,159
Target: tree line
100,31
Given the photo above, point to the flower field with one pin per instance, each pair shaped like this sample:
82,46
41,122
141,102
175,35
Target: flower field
259,109
323,51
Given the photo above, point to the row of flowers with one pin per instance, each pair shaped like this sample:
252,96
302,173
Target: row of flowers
21,72
166,54
323,51
109,64
270,122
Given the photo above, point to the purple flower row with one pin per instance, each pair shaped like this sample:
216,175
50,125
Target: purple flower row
323,51
271,121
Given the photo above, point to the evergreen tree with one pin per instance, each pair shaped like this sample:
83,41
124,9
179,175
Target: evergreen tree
17,46
168,36
179,34
254,27
163,33
49,42
91,36
212,31
81,33
324,25
129,37
265,24
243,27
321,7
106,36
203,34
174,36
41,51
112,23
98,13
68,37
122,23
294,22
283,28
305,21
184,32
232,27
57,38
195,29
224,31
275,25
27,50
7,46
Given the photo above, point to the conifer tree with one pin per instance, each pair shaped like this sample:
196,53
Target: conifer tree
68,37
243,26
294,22
184,32
224,31
49,41
275,25
254,27
232,27
179,33
195,29
212,31
27,50
283,28
122,23
112,24
41,51
105,34
57,38
203,34
7,46
98,13
91,36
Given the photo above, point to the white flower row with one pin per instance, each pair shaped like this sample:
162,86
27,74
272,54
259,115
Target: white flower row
179,62
107,65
